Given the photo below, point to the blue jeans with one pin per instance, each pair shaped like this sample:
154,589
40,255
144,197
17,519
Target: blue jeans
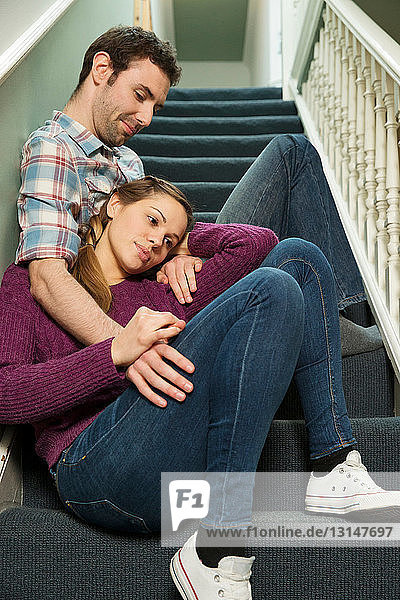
286,190
246,346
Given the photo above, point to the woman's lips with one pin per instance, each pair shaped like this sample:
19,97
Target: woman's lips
143,253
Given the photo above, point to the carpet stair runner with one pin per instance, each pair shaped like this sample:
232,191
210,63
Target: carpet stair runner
204,140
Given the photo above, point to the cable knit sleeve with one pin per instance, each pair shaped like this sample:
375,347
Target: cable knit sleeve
30,391
233,251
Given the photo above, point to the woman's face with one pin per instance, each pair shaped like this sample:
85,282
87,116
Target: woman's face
140,235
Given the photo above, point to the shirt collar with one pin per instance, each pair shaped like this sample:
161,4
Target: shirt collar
82,136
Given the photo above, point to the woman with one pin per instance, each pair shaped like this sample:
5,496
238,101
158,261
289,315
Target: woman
246,333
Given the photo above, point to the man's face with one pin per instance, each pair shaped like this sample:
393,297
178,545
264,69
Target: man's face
124,108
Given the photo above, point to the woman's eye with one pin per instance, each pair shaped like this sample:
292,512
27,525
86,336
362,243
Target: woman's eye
140,97
152,220
169,242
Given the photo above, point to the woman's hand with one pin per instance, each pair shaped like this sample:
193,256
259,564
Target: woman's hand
151,370
180,273
146,327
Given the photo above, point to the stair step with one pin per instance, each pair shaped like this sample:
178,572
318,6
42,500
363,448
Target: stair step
245,93
200,145
368,384
199,169
206,217
227,108
206,196
285,450
224,125
52,555
378,441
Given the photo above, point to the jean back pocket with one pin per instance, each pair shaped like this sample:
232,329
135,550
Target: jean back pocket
107,515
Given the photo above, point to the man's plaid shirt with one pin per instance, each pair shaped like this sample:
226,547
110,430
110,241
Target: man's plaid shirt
65,172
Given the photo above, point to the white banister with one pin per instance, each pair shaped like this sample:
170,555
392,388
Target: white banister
348,99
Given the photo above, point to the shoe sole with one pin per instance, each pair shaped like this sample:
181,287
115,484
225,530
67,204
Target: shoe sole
179,579
388,514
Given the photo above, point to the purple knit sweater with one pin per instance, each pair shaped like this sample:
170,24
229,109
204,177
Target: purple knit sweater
49,379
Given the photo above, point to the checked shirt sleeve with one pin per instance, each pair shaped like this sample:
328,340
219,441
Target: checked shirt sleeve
49,197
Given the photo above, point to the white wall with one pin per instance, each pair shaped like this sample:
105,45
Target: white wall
18,15
293,13
262,51
214,74
41,82
162,15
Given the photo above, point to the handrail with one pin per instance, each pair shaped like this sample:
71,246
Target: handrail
379,44
373,38
142,14
348,98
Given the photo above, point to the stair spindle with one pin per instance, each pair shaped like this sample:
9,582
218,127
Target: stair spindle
344,40
392,198
382,237
353,176
370,175
314,100
338,102
331,96
360,134
322,77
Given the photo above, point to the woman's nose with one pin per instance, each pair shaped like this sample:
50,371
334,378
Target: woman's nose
156,241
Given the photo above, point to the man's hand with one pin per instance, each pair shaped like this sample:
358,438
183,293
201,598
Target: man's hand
150,369
180,273
145,328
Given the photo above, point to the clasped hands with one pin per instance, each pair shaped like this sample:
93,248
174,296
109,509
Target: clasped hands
142,346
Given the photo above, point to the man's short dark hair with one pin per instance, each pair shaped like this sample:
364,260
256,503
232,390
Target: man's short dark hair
127,44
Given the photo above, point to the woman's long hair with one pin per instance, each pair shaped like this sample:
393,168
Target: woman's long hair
87,270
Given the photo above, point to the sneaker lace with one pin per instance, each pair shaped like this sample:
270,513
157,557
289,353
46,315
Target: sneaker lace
352,467
233,586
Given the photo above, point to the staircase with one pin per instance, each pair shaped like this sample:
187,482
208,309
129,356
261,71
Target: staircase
204,140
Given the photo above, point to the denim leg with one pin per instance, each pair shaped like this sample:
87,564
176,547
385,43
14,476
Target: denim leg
318,375
286,190
245,346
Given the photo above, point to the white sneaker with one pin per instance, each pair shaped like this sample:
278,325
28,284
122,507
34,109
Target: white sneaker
349,488
195,581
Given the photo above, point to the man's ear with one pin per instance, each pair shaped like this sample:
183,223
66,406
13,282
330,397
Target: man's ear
102,67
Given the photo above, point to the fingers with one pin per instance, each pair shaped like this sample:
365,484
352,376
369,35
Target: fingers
158,319
191,279
143,388
183,280
151,370
180,273
163,377
161,277
166,333
179,359
179,284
